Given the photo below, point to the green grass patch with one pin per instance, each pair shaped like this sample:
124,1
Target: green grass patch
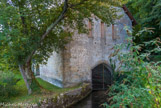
49,91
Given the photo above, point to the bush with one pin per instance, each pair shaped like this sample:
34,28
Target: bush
7,86
138,84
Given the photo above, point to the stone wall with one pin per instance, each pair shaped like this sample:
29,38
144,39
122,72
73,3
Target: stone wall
65,100
74,64
86,52
53,70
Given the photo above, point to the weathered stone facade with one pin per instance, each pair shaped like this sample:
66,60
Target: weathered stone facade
84,52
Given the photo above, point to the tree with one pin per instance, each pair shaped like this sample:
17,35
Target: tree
32,29
147,14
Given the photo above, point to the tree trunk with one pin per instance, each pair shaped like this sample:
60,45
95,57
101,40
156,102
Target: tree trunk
29,78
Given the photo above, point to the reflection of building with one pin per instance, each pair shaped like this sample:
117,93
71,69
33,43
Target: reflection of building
85,52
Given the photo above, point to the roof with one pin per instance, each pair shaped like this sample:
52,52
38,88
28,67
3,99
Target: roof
129,15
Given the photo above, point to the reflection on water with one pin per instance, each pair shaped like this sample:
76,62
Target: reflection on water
94,100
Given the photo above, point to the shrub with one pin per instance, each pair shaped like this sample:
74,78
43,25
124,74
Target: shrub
138,84
7,86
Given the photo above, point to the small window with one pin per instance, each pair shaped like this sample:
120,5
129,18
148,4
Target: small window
102,30
90,29
113,32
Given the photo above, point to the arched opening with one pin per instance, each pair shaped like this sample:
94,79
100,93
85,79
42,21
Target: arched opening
101,77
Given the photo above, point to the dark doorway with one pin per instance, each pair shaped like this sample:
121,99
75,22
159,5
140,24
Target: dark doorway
101,77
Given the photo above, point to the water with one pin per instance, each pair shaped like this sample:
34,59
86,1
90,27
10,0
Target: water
94,100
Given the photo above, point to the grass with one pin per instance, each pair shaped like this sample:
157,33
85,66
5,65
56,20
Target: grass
50,91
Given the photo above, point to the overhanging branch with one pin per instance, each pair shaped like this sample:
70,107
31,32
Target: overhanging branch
49,29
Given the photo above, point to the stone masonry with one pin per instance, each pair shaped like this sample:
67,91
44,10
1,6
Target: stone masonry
73,65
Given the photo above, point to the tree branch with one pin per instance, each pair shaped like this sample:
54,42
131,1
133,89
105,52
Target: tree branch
57,21
49,29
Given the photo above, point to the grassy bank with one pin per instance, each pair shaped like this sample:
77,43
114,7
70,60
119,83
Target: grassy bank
49,91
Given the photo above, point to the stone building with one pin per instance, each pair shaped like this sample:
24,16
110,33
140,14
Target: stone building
87,55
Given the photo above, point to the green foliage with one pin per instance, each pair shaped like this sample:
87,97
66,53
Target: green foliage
148,14
146,11
139,82
7,85
24,22
48,91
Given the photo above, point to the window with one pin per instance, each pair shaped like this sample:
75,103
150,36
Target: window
113,32
102,30
90,29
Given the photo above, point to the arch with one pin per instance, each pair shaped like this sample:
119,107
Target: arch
101,76
103,62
